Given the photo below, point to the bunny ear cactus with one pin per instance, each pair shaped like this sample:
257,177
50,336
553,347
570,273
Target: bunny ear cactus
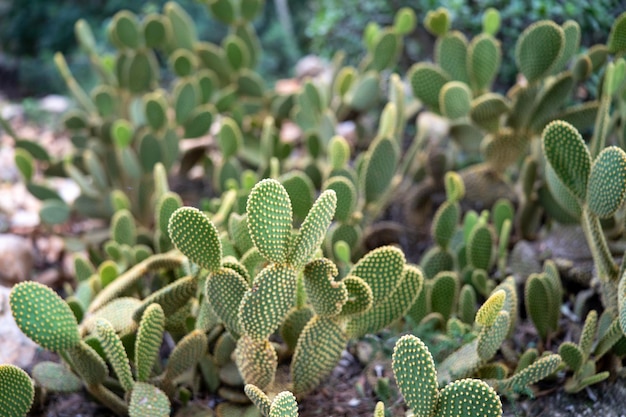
16,391
415,373
599,188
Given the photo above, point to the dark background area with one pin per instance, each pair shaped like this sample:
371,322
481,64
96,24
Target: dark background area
31,31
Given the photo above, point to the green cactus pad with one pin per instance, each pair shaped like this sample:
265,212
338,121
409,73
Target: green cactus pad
379,167
256,361
491,21
141,70
118,312
426,81
313,229
480,248
437,22
265,305
606,189
293,324
146,400
571,30
571,355
445,222
346,196
381,269
483,61
451,55
404,21
123,229
539,303
488,312
16,391
444,292
617,38
258,398
187,353
125,29
436,260
193,233
468,398
503,148
391,308
114,350
183,29
54,212
491,337
467,304
55,377
43,316
167,204
487,109
415,373
148,342
229,139
88,364
385,51
364,91
269,219
199,121
24,162
225,289
552,97
454,99
284,405
326,295
319,349
360,297
538,49
171,297
156,30
538,370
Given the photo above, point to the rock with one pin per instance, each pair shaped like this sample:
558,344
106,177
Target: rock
16,259
15,347
54,103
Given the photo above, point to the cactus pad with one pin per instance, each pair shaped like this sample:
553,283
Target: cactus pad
326,295
114,350
43,316
224,290
313,228
381,269
256,361
193,233
606,189
468,398
539,48
16,391
269,219
414,369
567,153
148,342
266,304
284,405
488,312
318,351
146,400
258,398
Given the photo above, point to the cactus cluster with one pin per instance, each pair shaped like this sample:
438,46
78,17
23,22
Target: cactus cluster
256,295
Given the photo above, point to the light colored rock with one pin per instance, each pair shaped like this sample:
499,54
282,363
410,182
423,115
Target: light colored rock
54,103
436,126
15,347
16,259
